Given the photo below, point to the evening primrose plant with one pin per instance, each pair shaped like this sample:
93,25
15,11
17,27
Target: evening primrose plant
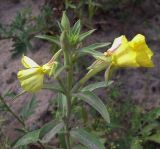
71,90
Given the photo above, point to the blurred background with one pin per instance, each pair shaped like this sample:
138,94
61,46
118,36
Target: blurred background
134,92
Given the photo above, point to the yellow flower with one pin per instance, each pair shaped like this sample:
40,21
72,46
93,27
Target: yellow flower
31,79
134,53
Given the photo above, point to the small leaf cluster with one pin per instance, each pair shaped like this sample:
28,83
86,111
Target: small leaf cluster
24,27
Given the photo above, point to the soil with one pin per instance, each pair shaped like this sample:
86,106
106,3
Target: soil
141,85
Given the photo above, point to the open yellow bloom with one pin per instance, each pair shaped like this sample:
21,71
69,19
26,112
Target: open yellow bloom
134,53
123,53
31,79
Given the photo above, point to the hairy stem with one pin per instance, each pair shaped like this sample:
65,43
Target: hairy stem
67,88
68,95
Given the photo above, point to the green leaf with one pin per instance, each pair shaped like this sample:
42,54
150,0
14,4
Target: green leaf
86,34
65,21
95,102
135,144
62,103
96,85
90,49
49,38
152,115
154,138
54,87
147,130
76,28
47,128
87,139
28,109
28,138
56,128
20,44
93,53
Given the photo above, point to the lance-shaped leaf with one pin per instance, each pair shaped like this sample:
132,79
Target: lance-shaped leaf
62,103
49,38
65,21
95,102
91,49
28,138
76,28
87,139
154,138
96,85
85,35
47,128
53,87
56,128
148,129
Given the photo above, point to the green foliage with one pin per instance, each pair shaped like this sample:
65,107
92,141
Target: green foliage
52,39
24,27
87,139
95,102
30,137
96,85
28,109
44,134
52,132
133,127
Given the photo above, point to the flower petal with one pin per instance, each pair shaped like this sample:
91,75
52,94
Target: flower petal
28,63
125,60
31,79
144,53
117,42
124,56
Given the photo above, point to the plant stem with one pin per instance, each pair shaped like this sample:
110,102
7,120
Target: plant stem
12,112
67,88
67,118
69,77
